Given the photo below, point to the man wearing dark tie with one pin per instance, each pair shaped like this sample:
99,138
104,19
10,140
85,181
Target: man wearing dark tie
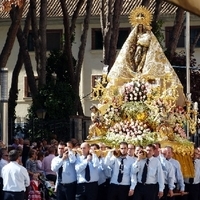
87,174
64,166
120,184
146,174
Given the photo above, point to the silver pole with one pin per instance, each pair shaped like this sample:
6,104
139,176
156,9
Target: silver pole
187,50
4,100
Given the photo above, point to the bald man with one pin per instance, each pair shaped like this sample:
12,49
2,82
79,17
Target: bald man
87,174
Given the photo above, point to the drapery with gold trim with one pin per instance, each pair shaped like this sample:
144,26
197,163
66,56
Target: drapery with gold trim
192,6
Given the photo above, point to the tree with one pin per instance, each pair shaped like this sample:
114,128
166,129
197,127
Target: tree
109,18
75,71
13,93
16,14
42,43
39,35
176,32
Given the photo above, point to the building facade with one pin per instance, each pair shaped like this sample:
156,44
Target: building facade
92,65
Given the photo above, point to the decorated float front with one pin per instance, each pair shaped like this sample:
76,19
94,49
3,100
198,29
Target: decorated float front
143,100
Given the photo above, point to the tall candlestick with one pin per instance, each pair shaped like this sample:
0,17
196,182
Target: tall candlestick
195,106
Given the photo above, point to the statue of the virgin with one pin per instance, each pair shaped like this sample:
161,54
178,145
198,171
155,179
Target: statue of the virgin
142,56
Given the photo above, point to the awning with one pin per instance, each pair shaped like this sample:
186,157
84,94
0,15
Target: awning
192,6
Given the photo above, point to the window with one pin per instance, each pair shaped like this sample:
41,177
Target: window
194,31
97,38
54,40
27,92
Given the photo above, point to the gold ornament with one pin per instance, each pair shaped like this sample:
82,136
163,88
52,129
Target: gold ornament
166,131
140,15
141,116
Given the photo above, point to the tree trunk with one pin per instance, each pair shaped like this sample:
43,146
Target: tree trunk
42,43
27,63
74,71
115,32
13,93
35,33
156,14
75,16
81,53
176,32
106,25
16,14
67,37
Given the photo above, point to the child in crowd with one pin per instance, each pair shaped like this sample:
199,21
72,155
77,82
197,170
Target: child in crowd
34,193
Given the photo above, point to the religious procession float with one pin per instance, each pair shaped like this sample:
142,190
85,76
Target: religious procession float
141,99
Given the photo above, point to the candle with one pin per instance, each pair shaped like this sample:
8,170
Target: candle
195,106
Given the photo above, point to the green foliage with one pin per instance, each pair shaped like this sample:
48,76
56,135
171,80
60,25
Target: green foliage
58,100
56,97
157,30
57,63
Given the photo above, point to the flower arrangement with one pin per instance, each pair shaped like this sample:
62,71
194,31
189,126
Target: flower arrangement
179,130
133,114
135,110
112,115
113,139
135,91
178,115
130,128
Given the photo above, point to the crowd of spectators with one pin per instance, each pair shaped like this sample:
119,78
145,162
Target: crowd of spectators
94,171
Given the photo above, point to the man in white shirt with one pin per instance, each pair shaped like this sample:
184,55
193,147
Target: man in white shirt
120,184
167,167
169,174
87,174
146,174
15,178
3,158
3,162
104,173
64,166
179,181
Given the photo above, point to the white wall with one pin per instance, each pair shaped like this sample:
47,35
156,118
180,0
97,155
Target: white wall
91,65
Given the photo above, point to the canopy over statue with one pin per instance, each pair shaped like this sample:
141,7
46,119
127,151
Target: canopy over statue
143,101
192,6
